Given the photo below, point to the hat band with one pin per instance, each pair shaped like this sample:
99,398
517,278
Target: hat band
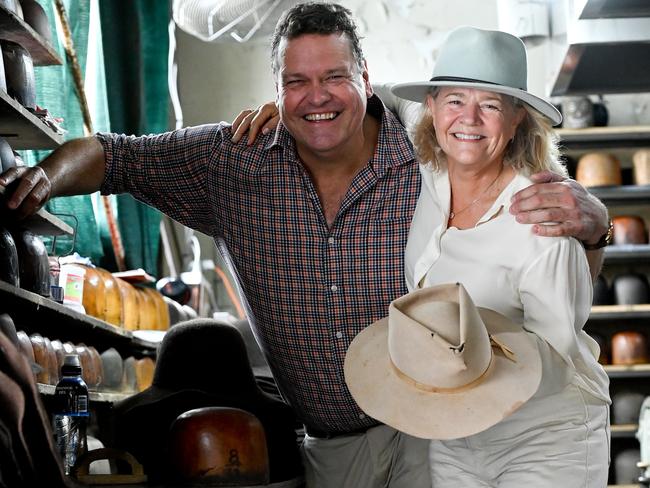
436,389
462,80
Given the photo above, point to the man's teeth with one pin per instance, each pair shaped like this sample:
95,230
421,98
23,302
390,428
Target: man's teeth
327,116
470,137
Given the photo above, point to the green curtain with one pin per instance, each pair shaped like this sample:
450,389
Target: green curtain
135,43
55,91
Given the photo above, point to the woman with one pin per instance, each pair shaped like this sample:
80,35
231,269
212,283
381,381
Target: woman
481,134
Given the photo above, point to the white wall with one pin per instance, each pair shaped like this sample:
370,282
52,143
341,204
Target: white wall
217,80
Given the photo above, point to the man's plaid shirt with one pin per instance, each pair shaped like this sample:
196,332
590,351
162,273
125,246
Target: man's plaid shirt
310,288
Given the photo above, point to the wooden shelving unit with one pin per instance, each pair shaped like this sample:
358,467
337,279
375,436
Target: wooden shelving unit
622,195
605,137
15,29
620,312
631,371
42,223
34,313
627,253
94,396
625,430
608,320
22,129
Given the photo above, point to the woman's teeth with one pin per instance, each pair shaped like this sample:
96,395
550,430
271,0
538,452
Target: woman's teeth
467,137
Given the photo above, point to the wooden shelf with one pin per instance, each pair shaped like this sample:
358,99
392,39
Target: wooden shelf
632,371
45,224
627,253
624,430
15,29
94,396
618,312
622,195
42,222
22,129
601,137
34,313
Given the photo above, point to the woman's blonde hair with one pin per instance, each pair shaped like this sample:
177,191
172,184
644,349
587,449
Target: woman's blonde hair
534,147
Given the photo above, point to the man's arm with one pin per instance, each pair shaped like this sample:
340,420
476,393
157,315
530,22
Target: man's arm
557,199
407,112
75,168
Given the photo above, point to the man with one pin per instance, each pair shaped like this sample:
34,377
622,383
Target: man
315,217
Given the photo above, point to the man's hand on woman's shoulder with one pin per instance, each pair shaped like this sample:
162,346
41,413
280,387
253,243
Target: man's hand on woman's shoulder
563,201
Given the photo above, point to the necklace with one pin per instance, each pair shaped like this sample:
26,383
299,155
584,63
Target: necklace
453,214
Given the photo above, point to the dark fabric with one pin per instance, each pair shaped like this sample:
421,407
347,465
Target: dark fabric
8,328
203,363
309,288
136,42
36,462
9,471
263,376
259,364
12,407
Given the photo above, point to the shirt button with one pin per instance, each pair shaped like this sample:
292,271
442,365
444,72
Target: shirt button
330,240
339,335
334,287
362,416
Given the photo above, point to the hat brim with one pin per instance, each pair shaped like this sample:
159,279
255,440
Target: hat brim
417,92
380,393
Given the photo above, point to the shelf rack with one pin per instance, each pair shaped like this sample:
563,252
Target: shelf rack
605,137
34,313
15,29
22,129
94,396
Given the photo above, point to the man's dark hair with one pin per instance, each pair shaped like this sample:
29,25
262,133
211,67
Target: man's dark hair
315,18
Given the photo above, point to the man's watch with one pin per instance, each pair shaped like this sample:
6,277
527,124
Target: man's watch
605,239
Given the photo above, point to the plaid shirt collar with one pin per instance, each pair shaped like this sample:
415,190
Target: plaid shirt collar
390,131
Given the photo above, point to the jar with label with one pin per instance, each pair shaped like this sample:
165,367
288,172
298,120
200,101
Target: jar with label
71,279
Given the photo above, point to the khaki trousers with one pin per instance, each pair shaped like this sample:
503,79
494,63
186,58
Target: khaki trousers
379,458
556,441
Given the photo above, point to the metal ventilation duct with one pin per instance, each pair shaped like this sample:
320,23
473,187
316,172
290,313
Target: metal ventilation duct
227,20
615,9
609,54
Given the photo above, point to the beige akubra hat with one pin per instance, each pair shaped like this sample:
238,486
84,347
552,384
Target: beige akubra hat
482,59
438,367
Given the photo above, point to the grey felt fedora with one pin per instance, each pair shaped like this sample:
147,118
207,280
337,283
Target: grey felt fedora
483,59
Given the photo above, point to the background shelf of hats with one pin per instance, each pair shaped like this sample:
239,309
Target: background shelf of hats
48,330
614,164
106,317
22,123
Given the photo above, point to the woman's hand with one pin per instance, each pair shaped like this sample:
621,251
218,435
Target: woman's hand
263,119
564,201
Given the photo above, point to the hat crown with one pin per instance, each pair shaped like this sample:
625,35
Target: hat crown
442,325
205,355
478,54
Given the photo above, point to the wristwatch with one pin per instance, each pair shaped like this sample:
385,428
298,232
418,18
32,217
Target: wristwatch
605,239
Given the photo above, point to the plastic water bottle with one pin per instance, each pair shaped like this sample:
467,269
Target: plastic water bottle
70,413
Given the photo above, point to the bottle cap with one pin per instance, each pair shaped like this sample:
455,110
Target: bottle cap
71,365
